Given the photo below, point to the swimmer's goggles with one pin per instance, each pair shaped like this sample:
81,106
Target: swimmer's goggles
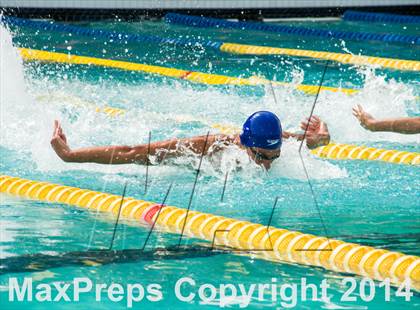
259,156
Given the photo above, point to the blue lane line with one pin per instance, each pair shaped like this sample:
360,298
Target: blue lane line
106,34
206,22
380,17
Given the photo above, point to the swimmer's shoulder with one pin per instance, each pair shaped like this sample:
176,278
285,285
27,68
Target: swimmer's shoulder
221,141
228,139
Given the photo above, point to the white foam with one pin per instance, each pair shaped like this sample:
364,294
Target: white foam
29,108
291,166
23,122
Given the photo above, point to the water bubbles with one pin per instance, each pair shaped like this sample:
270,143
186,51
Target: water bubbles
344,48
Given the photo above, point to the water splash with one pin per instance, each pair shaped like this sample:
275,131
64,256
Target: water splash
151,106
382,97
22,121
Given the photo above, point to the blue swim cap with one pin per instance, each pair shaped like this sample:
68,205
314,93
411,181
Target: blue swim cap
262,129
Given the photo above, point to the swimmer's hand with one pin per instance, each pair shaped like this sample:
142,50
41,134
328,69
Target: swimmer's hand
59,142
366,120
404,125
317,133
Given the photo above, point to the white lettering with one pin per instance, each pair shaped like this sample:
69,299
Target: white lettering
204,298
78,289
274,289
98,291
324,290
131,297
44,292
116,289
261,291
223,297
248,294
155,291
20,294
61,291
310,286
292,298
178,285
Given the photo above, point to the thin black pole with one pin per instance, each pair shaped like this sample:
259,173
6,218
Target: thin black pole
269,221
314,104
224,186
303,162
118,216
157,216
271,87
146,182
193,189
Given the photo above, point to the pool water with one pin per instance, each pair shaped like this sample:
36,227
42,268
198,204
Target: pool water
372,203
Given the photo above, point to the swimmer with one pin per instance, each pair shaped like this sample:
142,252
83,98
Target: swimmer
261,137
404,125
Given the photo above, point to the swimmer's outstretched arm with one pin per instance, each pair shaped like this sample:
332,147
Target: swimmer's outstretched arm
406,125
127,154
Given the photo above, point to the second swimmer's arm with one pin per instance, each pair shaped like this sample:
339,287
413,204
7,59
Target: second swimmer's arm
407,125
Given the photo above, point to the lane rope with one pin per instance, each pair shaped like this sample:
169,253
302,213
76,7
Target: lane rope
380,17
105,34
283,245
192,76
390,63
207,22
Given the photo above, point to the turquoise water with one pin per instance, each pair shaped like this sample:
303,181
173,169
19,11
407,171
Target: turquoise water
372,203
